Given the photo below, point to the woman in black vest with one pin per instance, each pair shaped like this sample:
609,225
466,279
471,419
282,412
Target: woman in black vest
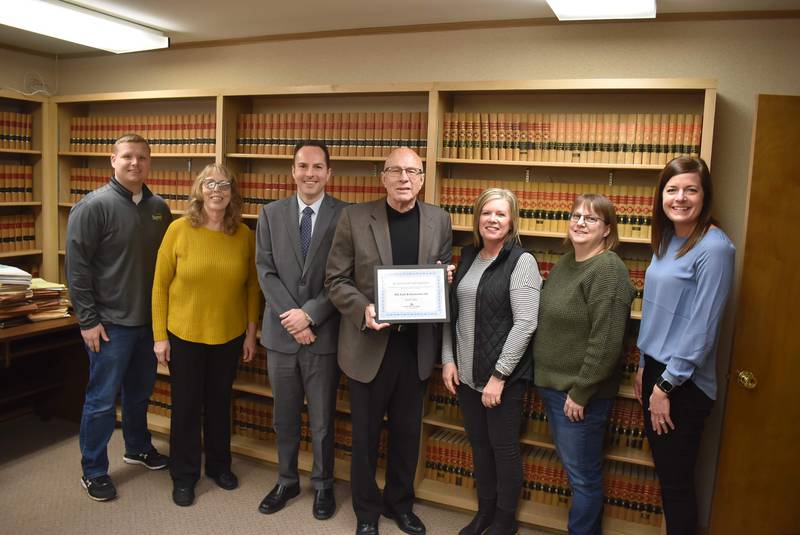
486,354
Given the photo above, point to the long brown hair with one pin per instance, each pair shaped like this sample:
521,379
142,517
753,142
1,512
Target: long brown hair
663,228
233,212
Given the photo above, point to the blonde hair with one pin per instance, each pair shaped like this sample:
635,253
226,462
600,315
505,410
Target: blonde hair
483,199
233,212
604,208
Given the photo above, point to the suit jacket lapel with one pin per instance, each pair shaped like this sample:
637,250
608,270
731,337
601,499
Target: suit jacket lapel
321,225
380,230
426,232
293,226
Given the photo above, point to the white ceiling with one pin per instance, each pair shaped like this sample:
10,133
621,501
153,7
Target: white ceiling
187,21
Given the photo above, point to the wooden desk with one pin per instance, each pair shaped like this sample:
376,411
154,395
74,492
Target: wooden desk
42,367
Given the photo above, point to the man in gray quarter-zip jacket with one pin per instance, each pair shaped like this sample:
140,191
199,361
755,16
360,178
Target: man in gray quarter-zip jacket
113,235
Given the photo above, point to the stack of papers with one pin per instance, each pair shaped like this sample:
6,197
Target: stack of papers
51,300
23,298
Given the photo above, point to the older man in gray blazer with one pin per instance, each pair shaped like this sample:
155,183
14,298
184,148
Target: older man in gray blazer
301,325
387,365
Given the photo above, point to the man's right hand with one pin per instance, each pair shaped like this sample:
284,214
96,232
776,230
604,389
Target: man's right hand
91,337
369,319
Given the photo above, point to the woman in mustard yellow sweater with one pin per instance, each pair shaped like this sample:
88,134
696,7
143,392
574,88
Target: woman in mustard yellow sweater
205,307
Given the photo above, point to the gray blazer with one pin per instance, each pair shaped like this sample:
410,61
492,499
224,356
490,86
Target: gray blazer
287,281
361,242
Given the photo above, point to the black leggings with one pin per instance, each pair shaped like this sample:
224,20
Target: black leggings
675,453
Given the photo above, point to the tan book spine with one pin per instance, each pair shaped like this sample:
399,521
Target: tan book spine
422,142
677,144
672,125
369,136
502,132
494,136
686,137
514,128
461,139
476,135
397,120
697,129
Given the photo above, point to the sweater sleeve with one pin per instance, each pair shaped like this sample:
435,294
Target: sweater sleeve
447,344
166,263
609,295
714,278
81,244
526,283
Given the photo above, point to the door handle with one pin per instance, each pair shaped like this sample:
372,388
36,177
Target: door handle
747,379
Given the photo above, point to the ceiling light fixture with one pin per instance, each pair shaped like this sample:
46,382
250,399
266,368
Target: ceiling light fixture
78,25
603,9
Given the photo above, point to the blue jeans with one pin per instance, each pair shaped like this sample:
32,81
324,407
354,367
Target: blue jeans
580,448
127,361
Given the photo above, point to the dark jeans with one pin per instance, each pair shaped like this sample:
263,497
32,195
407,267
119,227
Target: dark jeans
675,453
494,438
125,362
397,392
202,378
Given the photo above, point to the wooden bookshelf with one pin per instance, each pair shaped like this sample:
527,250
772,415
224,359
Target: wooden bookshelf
696,96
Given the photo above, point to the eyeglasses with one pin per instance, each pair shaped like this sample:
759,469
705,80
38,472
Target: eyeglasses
221,185
397,172
588,219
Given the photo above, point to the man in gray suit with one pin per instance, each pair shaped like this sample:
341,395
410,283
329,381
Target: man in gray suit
301,325
387,365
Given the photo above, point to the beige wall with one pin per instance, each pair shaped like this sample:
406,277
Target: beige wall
15,65
746,57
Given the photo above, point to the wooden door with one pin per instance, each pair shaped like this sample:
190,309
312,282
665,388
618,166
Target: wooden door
758,480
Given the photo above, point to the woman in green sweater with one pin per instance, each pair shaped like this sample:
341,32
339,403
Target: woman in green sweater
206,302
584,308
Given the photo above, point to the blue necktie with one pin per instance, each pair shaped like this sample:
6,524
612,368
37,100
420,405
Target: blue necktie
305,230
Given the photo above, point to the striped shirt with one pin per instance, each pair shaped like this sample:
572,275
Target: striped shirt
526,282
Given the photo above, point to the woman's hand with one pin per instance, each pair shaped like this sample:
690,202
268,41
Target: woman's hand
161,349
637,385
659,412
249,347
492,392
450,377
572,410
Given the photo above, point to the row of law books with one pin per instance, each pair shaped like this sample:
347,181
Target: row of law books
259,189
631,492
347,134
255,371
545,206
16,130
17,233
16,183
343,440
630,361
585,138
546,260
172,186
160,401
181,134
626,425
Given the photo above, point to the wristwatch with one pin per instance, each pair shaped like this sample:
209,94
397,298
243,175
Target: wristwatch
665,386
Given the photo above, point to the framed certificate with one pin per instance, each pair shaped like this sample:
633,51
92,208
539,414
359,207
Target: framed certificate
411,294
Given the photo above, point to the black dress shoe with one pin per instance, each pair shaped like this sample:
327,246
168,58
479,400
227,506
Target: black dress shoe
407,522
324,504
277,498
226,480
183,495
367,528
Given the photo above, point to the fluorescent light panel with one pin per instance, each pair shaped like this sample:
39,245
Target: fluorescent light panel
79,25
603,9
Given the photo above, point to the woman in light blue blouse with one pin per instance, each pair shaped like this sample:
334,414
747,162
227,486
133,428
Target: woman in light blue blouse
685,291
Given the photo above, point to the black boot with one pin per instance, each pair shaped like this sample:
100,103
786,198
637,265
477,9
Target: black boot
505,523
482,520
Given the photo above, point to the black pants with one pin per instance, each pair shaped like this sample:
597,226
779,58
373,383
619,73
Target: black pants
396,391
202,378
675,453
494,438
